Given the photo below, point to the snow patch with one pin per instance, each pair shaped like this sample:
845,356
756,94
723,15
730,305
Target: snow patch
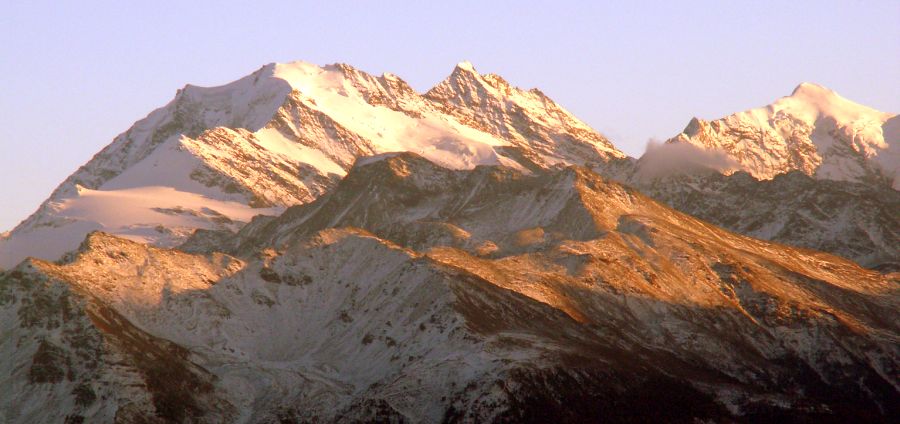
157,215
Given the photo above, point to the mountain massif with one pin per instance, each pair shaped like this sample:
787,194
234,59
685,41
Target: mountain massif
317,244
284,135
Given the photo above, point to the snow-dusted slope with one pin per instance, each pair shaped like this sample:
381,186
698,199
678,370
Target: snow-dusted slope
284,135
484,295
70,358
814,130
853,220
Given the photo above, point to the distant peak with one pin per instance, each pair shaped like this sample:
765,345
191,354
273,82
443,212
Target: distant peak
693,127
466,66
809,88
291,63
813,100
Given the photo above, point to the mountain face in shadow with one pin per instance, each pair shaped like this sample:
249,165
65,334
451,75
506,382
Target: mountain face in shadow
421,293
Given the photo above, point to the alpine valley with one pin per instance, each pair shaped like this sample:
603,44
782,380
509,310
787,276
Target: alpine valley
318,244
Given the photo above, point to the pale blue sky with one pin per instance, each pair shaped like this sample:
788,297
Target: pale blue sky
75,74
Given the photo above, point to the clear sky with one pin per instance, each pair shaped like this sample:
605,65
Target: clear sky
73,75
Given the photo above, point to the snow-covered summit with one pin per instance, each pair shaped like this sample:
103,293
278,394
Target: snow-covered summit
811,101
284,135
465,66
814,130
811,89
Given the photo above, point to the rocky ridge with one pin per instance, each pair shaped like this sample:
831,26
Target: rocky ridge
414,292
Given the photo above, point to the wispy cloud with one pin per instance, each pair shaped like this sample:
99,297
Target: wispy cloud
661,159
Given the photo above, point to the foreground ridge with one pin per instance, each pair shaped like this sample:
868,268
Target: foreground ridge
416,292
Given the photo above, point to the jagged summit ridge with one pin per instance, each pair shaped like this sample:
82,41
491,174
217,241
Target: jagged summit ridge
526,118
814,130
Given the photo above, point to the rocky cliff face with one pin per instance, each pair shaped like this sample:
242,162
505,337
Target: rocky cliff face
414,292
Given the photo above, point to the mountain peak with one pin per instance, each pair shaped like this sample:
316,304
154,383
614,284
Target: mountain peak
810,102
781,139
693,127
466,66
284,135
814,93
525,118
810,87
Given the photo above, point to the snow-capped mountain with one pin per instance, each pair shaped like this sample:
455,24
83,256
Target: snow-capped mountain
317,244
214,157
414,292
745,173
814,130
